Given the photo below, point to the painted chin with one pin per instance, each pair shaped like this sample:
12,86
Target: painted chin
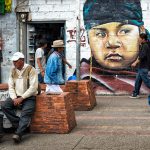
113,65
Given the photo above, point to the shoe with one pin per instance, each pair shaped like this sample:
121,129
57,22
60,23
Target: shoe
16,138
134,96
27,130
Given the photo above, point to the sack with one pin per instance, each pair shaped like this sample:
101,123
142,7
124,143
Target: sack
53,89
28,69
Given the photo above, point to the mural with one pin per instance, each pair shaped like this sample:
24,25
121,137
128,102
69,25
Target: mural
113,30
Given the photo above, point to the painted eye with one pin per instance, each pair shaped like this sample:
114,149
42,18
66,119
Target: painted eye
123,32
101,34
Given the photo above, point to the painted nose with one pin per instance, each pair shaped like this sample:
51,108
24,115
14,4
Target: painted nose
113,42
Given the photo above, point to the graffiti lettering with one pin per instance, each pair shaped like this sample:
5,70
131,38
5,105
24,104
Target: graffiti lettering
72,36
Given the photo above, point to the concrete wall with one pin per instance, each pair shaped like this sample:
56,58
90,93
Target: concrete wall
8,27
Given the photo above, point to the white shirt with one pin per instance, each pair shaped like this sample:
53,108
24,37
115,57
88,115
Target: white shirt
40,54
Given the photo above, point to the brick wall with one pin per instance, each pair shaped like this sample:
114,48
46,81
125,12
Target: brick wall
53,114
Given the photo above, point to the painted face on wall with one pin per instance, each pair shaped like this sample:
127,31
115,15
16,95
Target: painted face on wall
114,45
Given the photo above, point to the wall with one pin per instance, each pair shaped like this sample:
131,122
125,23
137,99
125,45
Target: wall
8,27
114,46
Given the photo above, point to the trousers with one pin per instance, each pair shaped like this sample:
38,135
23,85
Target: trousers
27,108
142,75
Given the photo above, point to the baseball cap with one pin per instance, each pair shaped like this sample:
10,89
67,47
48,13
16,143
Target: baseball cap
17,56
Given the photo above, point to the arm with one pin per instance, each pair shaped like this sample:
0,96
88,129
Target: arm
11,86
66,62
134,64
40,66
39,55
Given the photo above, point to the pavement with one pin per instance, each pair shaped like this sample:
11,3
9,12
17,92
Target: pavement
116,123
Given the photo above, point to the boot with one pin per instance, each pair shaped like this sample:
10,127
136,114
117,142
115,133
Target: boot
1,126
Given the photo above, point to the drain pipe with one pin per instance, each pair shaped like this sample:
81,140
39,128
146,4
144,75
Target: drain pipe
78,41
1,44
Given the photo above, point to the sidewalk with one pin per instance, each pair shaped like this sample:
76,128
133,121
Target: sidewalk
116,123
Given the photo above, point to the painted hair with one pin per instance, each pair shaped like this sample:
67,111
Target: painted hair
143,36
97,12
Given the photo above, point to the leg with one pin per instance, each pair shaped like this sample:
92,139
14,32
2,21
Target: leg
28,107
8,109
138,83
40,78
144,76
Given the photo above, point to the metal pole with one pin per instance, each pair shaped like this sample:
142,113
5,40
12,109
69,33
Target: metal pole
78,41
1,43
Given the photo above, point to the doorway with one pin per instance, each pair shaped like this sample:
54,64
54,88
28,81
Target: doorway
41,30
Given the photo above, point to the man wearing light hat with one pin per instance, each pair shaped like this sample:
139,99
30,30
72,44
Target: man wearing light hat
53,72
23,85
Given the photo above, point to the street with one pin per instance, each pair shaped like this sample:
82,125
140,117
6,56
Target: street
116,123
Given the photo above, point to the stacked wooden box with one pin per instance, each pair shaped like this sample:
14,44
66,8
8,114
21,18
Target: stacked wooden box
83,97
53,114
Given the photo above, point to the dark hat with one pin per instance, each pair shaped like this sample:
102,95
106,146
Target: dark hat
96,12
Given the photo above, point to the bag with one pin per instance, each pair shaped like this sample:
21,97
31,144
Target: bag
28,69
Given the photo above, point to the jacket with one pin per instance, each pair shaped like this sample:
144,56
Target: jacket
53,71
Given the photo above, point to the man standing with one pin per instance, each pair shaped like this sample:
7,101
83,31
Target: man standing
53,72
23,85
143,61
40,60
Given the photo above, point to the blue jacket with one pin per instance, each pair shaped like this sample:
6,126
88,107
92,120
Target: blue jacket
53,71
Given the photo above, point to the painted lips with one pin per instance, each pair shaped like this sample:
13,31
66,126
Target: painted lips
114,57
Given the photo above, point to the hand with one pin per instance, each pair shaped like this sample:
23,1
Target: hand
70,66
17,101
42,73
133,65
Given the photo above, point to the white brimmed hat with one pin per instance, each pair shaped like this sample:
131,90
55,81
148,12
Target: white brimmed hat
58,43
17,56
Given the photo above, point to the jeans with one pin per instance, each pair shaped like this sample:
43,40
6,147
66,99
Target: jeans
40,78
27,109
142,75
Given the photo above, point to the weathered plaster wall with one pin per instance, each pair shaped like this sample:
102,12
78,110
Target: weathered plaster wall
8,27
